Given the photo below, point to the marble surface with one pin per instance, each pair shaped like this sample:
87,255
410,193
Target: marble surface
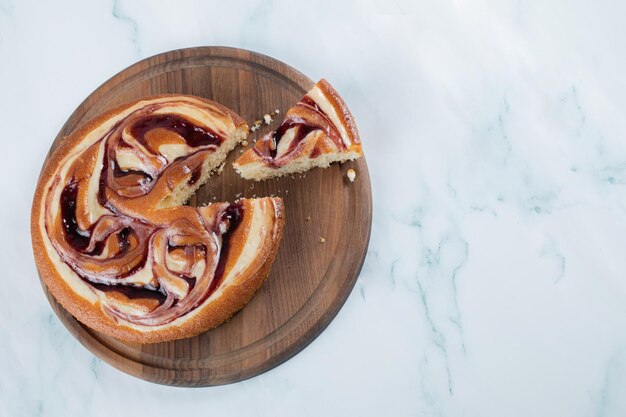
495,282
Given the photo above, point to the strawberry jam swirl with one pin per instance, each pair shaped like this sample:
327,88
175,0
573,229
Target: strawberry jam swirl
107,215
302,120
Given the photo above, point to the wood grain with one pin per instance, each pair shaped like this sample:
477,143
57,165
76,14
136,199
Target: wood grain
309,281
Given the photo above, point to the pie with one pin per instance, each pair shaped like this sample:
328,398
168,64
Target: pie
316,132
113,242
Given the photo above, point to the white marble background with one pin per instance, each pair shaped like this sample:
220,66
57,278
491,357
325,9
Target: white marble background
495,283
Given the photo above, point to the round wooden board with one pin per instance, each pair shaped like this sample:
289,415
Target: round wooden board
309,281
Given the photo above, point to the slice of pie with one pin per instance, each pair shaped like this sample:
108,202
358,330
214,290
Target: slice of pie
316,132
114,245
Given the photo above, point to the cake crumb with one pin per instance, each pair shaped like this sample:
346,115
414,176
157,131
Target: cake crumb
244,143
351,174
267,118
237,195
322,240
256,125
276,111
308,218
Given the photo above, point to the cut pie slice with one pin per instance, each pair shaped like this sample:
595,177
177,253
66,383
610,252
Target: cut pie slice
316,132
113,243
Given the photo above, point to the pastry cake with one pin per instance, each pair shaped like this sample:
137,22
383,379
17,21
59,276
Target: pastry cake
112,241
317,131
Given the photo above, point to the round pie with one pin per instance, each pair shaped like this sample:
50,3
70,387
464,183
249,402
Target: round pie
114,243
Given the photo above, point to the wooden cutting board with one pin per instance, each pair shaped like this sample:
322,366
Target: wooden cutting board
309,281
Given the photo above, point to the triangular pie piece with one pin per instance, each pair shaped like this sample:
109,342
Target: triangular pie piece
316,132
113,243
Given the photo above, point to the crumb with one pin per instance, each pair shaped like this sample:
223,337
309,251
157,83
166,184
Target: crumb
276,111
308,218
271,195
322,240
214,197
241,150
286,191
351,174
237,195
244,143
267,118
256,125
253,195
